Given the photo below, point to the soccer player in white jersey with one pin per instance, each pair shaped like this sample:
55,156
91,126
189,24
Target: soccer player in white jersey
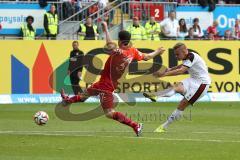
191,88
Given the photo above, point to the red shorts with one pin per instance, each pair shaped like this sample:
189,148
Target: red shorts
106,96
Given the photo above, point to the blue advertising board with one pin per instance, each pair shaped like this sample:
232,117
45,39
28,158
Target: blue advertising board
225,15
12,16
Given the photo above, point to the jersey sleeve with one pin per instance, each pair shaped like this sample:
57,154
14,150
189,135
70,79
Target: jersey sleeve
189,61
137,55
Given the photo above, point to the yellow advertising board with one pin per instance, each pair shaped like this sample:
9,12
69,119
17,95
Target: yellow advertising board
32,66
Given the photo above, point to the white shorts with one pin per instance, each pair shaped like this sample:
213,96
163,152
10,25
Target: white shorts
194,90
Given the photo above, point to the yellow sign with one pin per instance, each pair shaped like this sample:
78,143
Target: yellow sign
31,66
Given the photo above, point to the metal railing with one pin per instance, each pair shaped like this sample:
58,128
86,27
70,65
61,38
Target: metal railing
64,10
71,31
117,14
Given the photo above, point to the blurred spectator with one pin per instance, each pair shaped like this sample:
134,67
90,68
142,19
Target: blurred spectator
136,10
183,1
68,6
213,30
210,36
42,3
228,35
102,3
169,26
221,2
51,23
182,29
232,1
27,30
152,29
190,35
210,3
198,33
236,29
93,9
88,31
137,31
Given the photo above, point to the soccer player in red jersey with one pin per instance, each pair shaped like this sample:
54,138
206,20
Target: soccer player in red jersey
114,68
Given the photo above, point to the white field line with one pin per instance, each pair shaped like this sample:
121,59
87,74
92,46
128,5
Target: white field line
91,131
126,137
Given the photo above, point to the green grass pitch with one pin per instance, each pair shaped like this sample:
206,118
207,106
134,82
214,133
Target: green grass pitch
208,131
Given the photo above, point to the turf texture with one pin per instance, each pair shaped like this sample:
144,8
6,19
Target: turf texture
208,131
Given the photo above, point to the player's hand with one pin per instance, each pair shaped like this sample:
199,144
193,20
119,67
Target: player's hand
159,74
161,50
167,69
105,26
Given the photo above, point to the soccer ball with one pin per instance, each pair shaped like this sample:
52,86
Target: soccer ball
40,118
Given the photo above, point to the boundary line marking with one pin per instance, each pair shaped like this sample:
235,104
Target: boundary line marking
47,133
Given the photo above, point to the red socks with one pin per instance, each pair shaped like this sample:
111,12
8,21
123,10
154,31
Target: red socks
76,98
118,116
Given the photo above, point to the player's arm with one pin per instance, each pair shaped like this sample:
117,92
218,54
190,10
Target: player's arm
105,29
110,45
174,68
147,56
177,71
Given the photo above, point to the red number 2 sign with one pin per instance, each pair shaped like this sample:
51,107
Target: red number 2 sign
157,11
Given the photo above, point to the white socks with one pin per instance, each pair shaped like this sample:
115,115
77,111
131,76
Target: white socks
176,115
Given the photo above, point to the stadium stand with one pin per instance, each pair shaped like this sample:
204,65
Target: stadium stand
119,15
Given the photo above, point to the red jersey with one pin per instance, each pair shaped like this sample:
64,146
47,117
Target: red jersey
212,29
116,64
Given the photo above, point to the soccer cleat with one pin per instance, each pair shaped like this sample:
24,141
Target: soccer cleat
152,97
65,98
160,129
138,129
63,95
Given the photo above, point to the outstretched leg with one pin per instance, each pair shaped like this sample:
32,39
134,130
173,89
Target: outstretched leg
120,117
177,88
81,97
107,102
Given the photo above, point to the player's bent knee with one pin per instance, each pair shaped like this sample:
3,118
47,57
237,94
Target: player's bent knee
109,113
179,88
183,104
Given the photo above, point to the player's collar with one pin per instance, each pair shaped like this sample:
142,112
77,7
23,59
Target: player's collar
136,26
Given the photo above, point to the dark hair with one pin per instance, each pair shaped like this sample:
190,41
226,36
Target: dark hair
195,20
196,27
172,11
124,37
75,42
183,28
30,17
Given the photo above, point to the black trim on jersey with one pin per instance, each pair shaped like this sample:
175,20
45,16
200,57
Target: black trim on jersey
190,56
186,66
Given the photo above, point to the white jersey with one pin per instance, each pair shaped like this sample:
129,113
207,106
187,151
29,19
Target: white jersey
197,68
